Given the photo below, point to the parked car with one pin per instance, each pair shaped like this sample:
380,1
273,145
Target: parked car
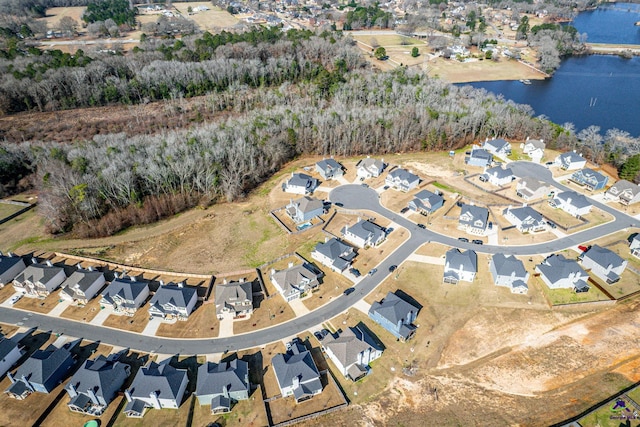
338,204
372,271
14,299
548,164
365,185
349,291
477,241
403,210
321,334
551,224
584,248
355,272
388,230
422,226
386,187
463,239
392,268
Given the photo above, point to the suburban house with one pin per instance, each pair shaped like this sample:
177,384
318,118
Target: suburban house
402,179
534,148
300,183
174,301
557,272
634,246
364,233
329,169
223,384
94,386
369,168
479,157
590,179
304,209
624,192
509,271
157,386
460,266
296,373
473,219
570,161
572,203
604,263
41,372
530,188
125,295
525,219
10,266
395,315
498,176
82,285
295,281
498,147
334,254
234,299
351,351
10,353
39,280
426,202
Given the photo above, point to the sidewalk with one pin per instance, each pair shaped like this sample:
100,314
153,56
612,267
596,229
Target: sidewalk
426,259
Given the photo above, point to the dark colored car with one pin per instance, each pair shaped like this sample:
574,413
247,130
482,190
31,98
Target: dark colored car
349,291
477,241
403,210
365,185
355,272
551,224
393,268
463,239
422,226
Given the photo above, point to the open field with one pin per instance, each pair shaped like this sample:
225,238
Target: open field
212,19
55,14
461,72
7,209
249,413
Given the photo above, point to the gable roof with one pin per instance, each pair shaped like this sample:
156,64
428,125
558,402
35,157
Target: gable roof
125,289
42,273
366,230
525,213
305,204
574,199
8,261
531,183
213,378
624,186
603,257
427,199
231,293
300,180
467,261
6,347
81,279
403,175
329,165
348,344
500,172
393,308
161,378
497,144
340,253
103,376
176,295
481,153
471,213
507,265
293,276
536,143
369,164
296,363
571,157
556,267
42,365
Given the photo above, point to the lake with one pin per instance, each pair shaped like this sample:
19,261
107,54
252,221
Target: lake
601,90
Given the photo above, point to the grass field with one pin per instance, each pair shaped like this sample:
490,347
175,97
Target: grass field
39,305
202,323
55,14
214,18
83,313
136,323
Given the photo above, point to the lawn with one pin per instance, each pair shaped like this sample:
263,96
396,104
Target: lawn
385,40
269,312
7,209
250,413
606,416
568,296
214,18
135,323
55,14
333,285
39,305
84,313
558,216
202,323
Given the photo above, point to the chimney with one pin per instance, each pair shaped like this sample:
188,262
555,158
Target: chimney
161,282
296,381
34,261
27,383
116,275
90,268
225,391
242,280
71,388
10,376
527,138
133,278
92,396
224,281
78,266
273,271
49,263
181,284
154,400
127,394
326,239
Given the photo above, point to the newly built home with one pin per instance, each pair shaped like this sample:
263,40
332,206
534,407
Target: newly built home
531,189
156,386
572,203
395,315
557,272
173,301
304,209
10,266
509,272
296,373
221,385
634,245
426,202
534,148
300,183
352,350
479,157
295,281
525,219
364,233
82,285
125,295
473,219
39,280
402,179
234,299
498,147
369,168
570,161
334,254
498,176
329,169
10,353
624,192
604,263
590,179
460,266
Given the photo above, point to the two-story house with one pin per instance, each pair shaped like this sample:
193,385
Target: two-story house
570,161
300,183
369,168
364,233
125,295
174,301
10,353
82,285
498,176
572,203
352,351
590,179
39,280
234,299
10,266
402,179
334,254
479,157
634,245
525,219
473,219
426,202
221,385
534,148
395,315
296,373
509,271
498,147
624,192
460,266
557,272
604,263
304,209
329,169
531,189
295,281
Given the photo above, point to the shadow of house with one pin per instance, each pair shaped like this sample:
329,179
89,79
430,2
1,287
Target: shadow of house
408,298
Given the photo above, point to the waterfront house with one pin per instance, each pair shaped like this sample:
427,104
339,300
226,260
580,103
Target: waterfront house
174,301
460,266
296,373
473,219
234,299
157,386
634,245
334,254
10,353
498,147
557,272
221,385
590,179
329,169
395,315
300,183
604,263
624,192
479,157
10,266
426,202
295,281
82,285
402,179
572,203
125,295
304,209
41,372
534,148
531,189
369,168
39,280
498,176
352,351
95,385
364,233
525,219
509,271
570,161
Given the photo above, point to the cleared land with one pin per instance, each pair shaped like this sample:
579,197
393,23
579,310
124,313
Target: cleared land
212,19
202,323
135,323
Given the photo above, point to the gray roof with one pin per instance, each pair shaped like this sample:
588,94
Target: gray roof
556,267
603,257
293,276
42,365
393,308
176,295
301,180
467,261
329,165
498,144
532,183
525,213
136,406
219,401
474,213
403,175
161,378
570,157
6,347
500,172
125,289
340,253
425,199
481,153
370,163
624,186
367,230
347,345
82,279
577,200
306,204
537,143
103,376
232,293
42,273
507,265
299,363
590,175
7,262
214,377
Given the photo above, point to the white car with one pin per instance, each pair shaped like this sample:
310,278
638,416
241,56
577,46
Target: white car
14,299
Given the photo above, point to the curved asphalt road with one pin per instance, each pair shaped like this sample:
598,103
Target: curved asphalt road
351,197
